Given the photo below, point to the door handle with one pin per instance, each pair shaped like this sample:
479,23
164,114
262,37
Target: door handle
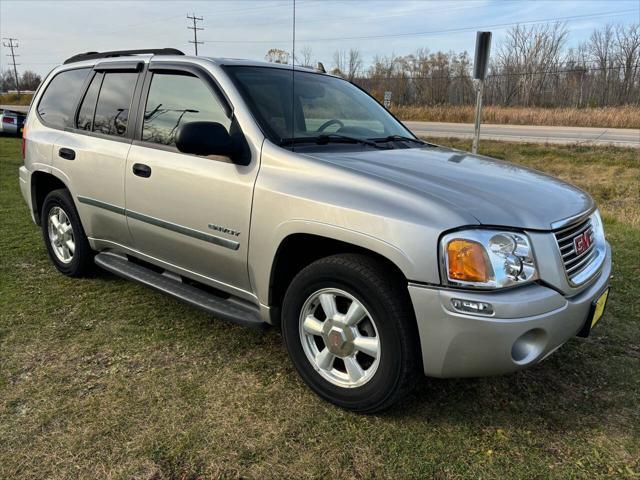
67,154
141,170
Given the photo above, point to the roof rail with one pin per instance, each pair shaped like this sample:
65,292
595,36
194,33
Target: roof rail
121,53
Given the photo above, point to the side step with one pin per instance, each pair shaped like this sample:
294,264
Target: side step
226,309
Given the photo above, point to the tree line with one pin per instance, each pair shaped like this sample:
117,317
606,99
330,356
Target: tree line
27,81
531,67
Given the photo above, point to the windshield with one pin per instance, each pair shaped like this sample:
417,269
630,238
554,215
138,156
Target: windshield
325,107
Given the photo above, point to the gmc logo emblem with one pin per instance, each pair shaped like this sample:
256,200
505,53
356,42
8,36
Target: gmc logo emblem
582,242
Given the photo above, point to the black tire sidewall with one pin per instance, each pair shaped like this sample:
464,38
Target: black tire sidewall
384,382
82,256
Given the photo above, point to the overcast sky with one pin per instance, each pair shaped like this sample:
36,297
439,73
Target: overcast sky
50,31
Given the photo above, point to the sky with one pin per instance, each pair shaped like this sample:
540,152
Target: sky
50,31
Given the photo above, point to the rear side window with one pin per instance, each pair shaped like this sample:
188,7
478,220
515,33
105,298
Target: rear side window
58,103
114,100
85,115
175,99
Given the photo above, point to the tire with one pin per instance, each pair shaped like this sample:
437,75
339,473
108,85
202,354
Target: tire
79,263
384,376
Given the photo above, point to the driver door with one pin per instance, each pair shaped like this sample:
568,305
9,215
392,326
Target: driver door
189,211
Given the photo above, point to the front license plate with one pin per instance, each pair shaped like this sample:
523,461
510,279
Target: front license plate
598,309
595,314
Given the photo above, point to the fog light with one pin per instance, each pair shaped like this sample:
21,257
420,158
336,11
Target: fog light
469,306
529,346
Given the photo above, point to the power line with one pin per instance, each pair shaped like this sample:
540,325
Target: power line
195,29
437,32
13,43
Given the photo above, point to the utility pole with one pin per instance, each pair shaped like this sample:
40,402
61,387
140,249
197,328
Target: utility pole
195,29
13,43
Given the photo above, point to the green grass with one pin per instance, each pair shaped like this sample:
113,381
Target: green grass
103,378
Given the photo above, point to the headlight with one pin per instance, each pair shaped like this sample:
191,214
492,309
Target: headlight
598,229
486,259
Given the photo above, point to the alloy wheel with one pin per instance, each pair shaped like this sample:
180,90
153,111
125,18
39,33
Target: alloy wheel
61,235
339,338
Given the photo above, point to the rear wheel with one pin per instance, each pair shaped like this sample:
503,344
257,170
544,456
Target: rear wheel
350,332
64,236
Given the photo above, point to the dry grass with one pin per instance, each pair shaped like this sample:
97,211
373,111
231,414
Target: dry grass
14,99
608,117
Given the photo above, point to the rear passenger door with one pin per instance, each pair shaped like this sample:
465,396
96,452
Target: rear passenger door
186,210
93,152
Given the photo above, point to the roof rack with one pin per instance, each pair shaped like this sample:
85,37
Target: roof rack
121,53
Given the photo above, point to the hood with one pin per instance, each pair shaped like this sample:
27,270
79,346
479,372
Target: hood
495,192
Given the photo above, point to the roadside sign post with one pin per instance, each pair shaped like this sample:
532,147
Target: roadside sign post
480,67
387,99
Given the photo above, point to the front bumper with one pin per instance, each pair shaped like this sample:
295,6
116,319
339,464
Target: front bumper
528,324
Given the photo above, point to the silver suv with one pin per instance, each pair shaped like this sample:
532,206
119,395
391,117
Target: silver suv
266,194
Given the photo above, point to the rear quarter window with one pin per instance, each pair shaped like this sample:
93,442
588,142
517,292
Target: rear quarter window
58,103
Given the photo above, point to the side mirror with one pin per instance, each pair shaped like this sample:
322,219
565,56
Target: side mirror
205,138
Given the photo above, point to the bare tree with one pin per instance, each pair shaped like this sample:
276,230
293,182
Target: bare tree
531,67
526,57
7,81
339,63
277,55
354,64
306,54
628,57
30,80
347,64
601,45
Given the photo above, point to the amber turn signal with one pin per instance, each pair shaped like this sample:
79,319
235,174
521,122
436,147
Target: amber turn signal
467,261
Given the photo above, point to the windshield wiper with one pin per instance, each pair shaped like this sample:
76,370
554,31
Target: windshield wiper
330,138
337,137
398,138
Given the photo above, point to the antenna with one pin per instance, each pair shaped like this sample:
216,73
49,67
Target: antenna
195,29
13,43
293,79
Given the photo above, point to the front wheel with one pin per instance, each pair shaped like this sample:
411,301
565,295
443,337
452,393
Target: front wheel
349,329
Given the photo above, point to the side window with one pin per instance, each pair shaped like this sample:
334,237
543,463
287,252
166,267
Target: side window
175,99
58,103
85,115
114,101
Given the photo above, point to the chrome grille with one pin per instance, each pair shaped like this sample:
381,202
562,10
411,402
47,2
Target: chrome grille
575,263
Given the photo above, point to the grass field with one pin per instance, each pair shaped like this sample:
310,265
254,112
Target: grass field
102,378
607,117
14,99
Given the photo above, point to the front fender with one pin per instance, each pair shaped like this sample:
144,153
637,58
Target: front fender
262,253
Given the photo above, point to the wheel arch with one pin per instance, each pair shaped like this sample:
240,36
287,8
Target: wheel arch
297,250
43,183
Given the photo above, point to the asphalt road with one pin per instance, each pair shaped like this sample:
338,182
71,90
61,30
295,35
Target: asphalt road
622,137
15,108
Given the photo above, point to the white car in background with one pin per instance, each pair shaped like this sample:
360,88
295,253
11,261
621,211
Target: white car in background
11,122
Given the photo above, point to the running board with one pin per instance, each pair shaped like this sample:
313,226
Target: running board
227,309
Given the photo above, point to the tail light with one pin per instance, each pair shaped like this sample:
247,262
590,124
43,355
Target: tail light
8,120
24,142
